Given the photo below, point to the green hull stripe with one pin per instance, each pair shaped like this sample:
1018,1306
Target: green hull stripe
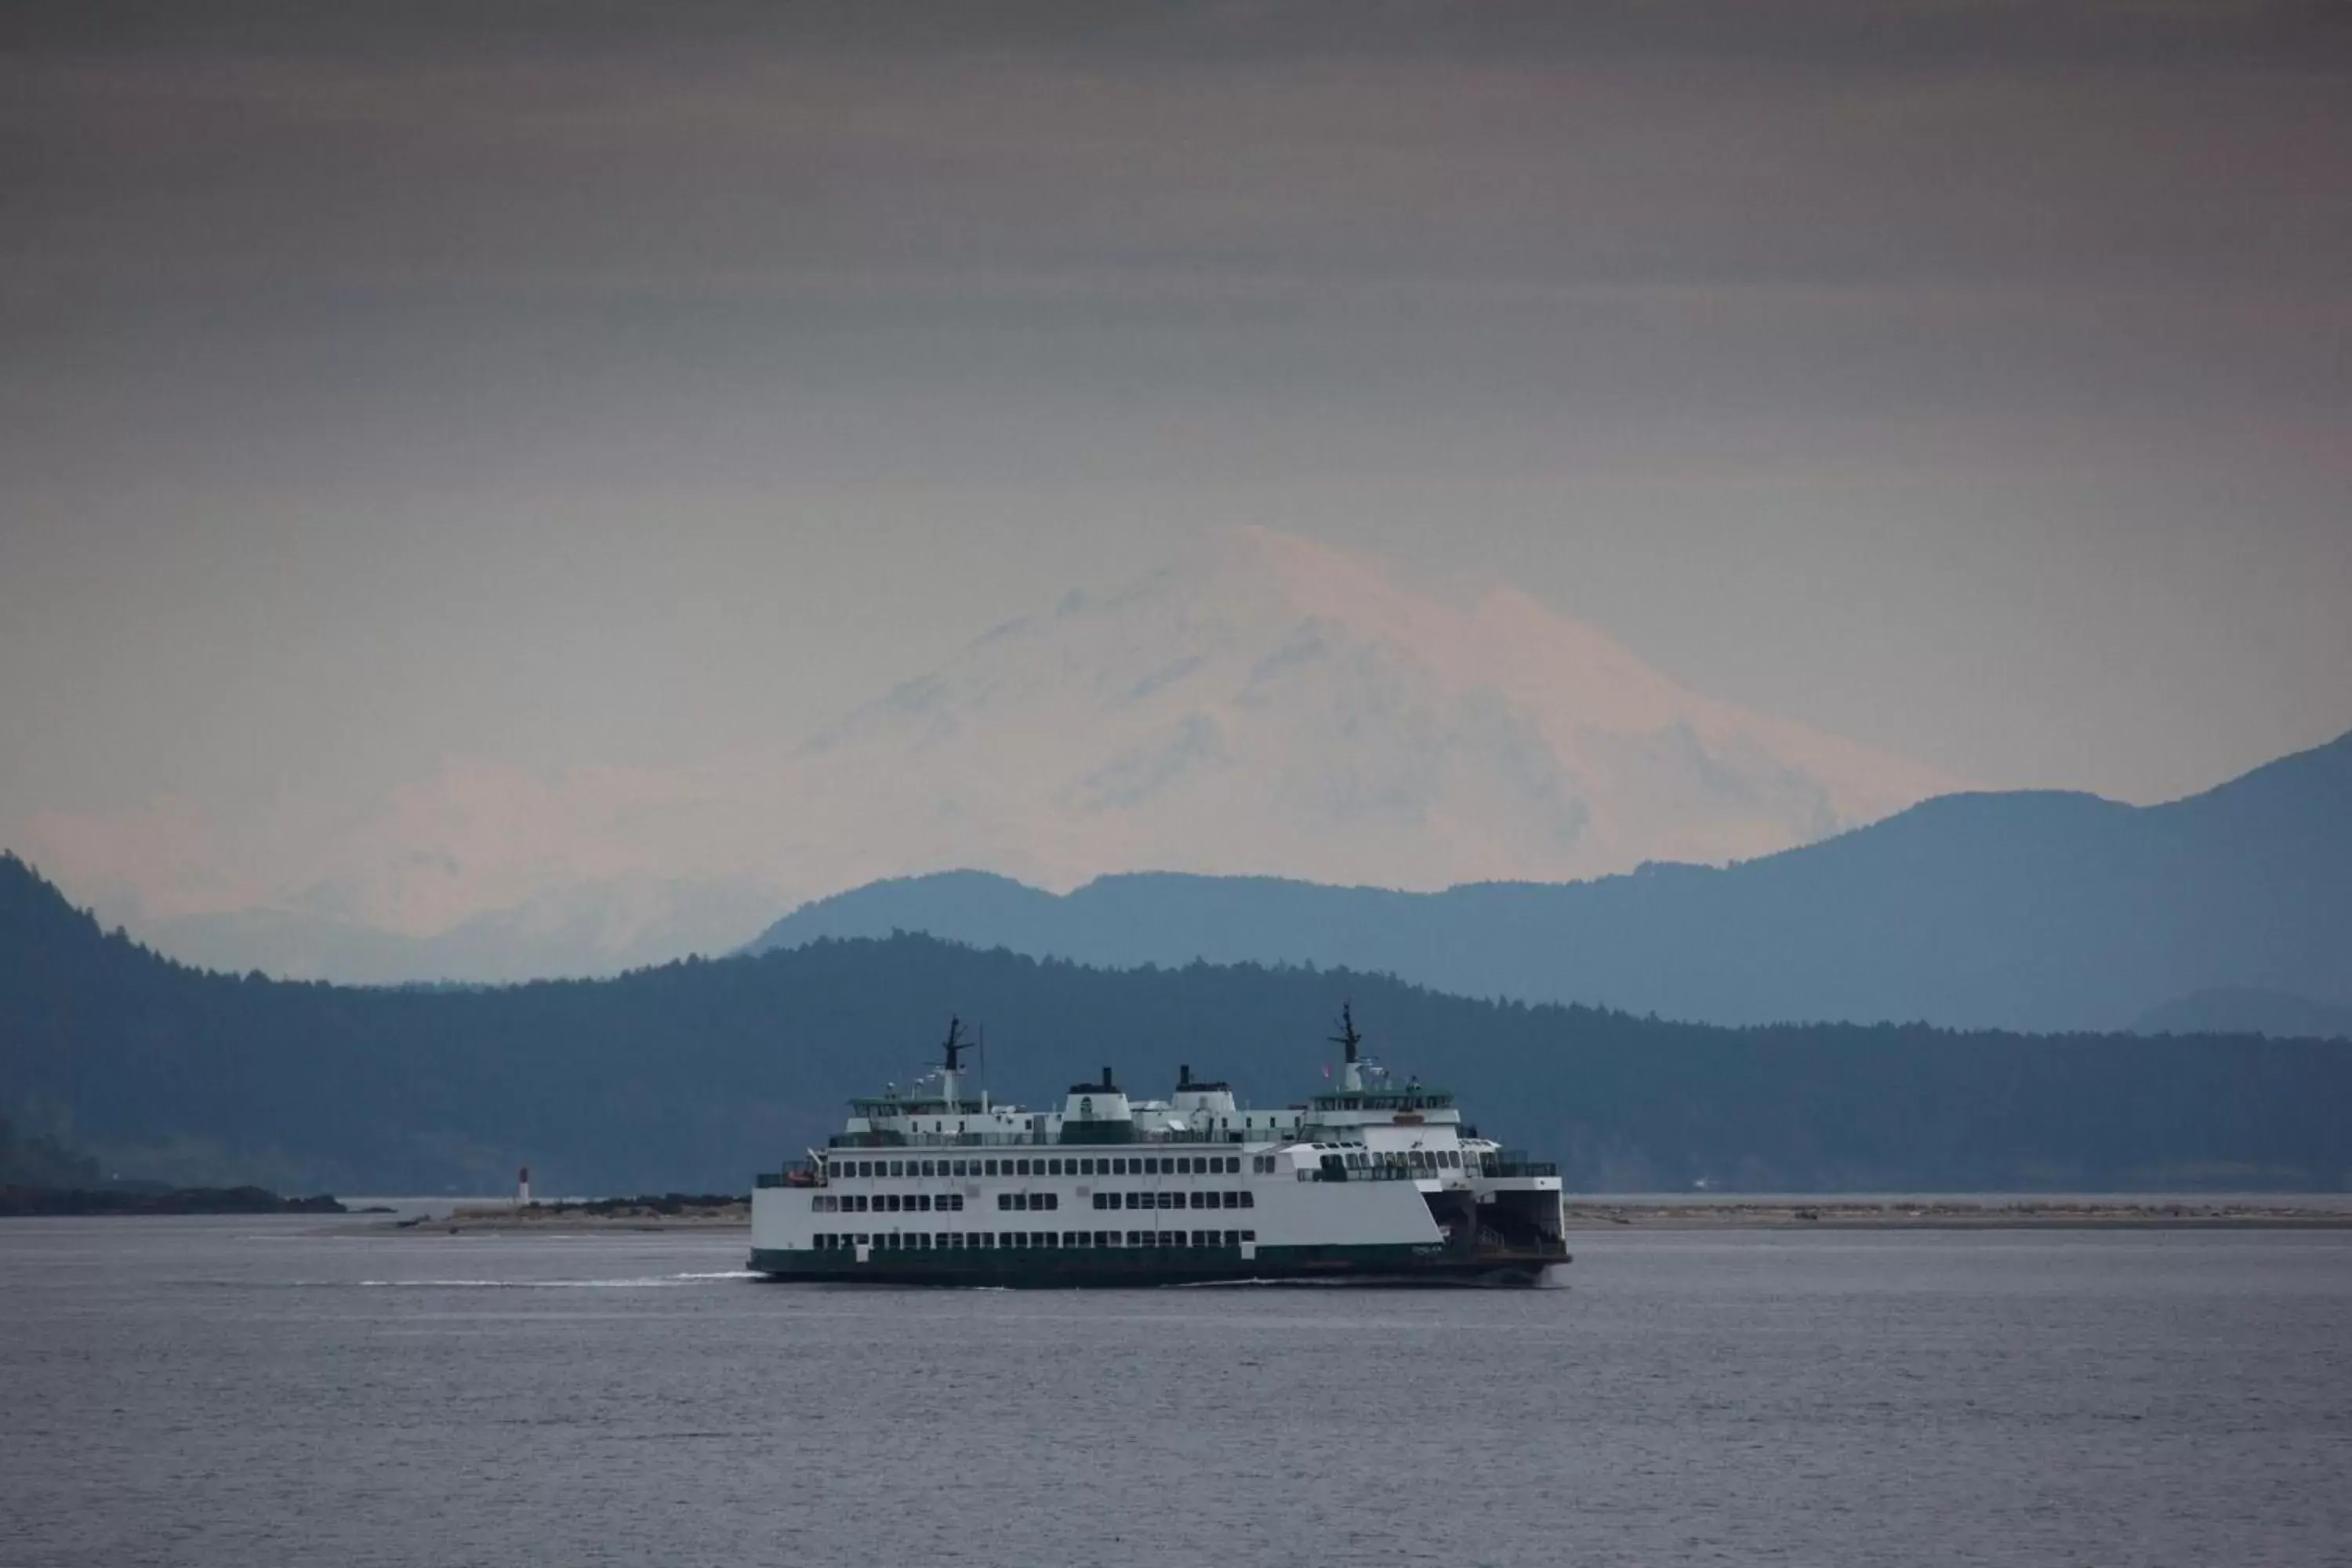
1050,1267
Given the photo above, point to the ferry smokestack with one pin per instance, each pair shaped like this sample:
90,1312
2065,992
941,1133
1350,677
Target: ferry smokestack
522,1187
1184,1075
1106,1078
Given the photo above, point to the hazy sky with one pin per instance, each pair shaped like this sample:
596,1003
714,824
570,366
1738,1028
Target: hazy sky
579,385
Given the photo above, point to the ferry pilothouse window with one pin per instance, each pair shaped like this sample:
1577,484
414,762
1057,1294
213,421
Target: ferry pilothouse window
992,1167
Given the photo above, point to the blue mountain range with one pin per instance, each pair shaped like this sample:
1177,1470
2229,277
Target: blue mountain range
2032,911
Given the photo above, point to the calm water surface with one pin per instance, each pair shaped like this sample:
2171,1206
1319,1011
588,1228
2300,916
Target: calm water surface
234,1391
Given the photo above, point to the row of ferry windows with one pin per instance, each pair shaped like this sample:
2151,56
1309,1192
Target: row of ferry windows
958,1240
952,1202
1243,1199
890,1203
1407,1159
1063,1165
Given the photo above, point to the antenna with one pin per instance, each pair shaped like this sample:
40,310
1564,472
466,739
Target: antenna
1347,1037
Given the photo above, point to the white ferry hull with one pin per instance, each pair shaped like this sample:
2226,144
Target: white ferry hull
1366,1182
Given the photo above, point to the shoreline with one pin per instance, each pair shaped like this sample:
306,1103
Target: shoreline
1587,1215
569,1219
1916,1213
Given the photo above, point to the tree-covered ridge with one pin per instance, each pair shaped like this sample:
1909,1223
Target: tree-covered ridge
697,1074
36,1159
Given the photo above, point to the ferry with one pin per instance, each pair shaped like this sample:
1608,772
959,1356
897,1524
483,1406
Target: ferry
1372,1183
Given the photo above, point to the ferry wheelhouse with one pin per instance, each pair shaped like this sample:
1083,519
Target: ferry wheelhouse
1372,1182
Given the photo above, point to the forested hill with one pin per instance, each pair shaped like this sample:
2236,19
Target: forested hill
697,1074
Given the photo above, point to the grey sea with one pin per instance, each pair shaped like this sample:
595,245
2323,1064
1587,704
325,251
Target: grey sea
241,1392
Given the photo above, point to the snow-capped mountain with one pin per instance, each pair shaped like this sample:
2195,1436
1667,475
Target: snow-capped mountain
1262,704
1272,705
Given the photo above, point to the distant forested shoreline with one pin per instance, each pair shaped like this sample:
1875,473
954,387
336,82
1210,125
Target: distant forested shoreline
695,1074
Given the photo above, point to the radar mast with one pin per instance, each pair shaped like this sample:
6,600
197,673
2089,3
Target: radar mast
1352,1074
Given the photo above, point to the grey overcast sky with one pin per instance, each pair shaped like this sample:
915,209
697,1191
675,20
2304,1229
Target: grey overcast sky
584,383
